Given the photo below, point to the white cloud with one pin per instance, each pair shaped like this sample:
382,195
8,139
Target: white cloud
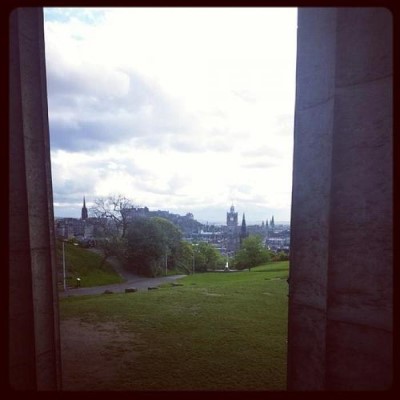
180,108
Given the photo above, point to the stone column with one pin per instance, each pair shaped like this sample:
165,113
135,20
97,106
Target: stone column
340,304
34,344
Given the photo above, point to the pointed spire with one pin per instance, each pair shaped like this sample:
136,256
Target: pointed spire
243,230
84,214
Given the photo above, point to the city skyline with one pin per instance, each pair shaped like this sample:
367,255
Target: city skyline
220,220
146,103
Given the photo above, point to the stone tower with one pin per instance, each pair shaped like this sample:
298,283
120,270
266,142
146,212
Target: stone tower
232,220
232,230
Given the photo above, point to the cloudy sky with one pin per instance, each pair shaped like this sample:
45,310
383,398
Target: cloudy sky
179,109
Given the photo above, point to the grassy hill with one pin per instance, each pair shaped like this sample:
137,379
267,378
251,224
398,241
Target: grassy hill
217,331
86,265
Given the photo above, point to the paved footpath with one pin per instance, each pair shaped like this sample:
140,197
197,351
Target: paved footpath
138,283
131,281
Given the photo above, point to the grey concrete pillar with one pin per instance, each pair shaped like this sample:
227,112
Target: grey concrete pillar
34,344
340,304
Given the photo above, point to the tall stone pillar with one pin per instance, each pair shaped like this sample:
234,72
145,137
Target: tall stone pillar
34,344
340,294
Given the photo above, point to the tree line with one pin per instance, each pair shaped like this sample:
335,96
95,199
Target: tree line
153,246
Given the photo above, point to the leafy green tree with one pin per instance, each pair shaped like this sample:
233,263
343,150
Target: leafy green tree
207,257
111,246
150,243
251,253
183,259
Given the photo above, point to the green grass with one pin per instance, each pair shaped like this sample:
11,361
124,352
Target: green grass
219,331
86,265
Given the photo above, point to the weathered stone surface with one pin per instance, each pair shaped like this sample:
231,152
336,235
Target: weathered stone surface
340,303
34,338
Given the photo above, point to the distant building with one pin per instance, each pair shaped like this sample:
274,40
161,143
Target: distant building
232,232
68,228
278,237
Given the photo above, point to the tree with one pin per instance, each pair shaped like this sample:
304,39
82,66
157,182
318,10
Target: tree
184,257
112,221
112,214
150,243
251,253
206,257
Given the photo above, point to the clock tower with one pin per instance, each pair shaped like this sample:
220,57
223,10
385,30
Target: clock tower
232,220
232,243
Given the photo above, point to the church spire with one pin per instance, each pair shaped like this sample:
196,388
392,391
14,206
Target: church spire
84,214
243,229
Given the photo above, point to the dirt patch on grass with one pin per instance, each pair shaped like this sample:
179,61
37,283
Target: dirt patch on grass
94,354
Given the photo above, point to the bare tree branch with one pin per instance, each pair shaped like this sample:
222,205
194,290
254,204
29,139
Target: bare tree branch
112,213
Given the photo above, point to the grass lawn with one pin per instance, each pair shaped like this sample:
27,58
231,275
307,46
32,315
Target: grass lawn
218,331
86,265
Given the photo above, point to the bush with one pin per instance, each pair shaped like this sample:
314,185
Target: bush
251,253
280,256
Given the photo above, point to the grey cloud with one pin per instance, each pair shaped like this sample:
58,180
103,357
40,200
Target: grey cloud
186,144
87,114
190,142
264,151
145,181
154,189
83,118
72,191
84,183
220,145
177,182
258,164
245,95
